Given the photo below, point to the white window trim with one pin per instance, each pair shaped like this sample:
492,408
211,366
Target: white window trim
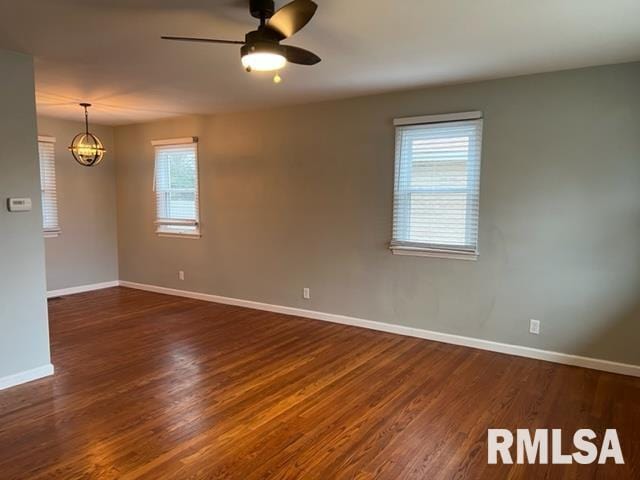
432,252
174,141
190,234
442,118
417,250
178,234
50,232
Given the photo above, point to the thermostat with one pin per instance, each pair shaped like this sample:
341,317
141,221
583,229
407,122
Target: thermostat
19,204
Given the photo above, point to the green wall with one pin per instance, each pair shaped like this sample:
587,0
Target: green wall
24,333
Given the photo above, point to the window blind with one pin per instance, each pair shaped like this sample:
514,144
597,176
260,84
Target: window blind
176,187
437,184
46,154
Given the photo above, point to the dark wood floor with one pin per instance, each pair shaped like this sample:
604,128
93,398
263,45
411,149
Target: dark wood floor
153,386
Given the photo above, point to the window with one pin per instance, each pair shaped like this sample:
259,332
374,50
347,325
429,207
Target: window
176,186
437,185
47,157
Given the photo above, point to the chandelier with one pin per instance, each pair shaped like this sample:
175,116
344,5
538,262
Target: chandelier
85,147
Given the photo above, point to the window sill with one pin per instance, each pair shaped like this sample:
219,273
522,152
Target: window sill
51,234
430,252
190,235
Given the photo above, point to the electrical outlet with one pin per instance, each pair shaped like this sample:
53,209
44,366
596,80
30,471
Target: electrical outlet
181,275
306,293
534,326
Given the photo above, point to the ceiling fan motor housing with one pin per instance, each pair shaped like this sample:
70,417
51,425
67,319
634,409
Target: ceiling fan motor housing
262,8
261,44
261,40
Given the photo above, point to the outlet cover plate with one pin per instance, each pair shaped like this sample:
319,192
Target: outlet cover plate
534,326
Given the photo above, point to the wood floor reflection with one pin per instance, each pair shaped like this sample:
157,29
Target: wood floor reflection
154,386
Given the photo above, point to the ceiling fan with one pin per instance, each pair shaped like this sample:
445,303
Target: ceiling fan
261,49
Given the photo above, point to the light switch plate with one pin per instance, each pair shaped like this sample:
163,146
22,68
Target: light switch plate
19,204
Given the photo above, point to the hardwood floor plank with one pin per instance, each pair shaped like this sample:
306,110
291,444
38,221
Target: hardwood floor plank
151,386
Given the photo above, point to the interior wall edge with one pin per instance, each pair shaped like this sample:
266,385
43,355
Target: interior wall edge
26,376
81,289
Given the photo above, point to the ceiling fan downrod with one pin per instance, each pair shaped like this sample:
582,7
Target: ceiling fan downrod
262,9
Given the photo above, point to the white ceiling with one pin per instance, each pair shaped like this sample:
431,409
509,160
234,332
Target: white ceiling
109,52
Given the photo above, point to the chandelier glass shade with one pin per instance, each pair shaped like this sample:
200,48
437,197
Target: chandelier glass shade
86,148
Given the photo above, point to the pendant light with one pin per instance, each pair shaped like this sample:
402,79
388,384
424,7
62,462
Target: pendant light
86,148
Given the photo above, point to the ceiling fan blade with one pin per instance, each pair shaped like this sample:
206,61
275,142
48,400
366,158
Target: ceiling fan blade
291,18
300,55
205,40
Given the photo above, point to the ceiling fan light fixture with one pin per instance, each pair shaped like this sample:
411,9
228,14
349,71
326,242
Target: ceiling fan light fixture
261,49
263,61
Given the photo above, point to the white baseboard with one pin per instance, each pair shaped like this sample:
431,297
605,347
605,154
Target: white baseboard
26,376
518,350
81,288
